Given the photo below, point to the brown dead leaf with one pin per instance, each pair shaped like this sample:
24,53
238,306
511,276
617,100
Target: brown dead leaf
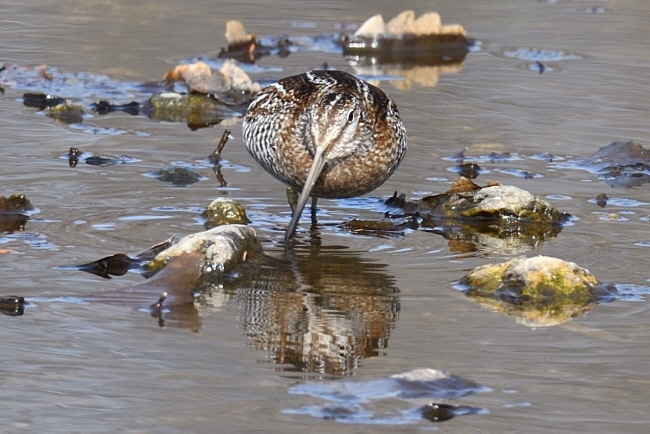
463,184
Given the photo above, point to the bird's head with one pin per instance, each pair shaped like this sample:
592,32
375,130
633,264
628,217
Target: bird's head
337,124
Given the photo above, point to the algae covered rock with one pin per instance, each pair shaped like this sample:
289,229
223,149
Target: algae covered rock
534,278
224,211
68,113
494,202
538,291
495,218
219,250
200,110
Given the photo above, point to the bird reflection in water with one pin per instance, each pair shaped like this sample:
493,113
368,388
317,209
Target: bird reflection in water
321,311
315,309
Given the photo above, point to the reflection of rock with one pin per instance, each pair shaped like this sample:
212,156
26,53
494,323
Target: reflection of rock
425,75
540,291
13,222
621,164
319,312
500,237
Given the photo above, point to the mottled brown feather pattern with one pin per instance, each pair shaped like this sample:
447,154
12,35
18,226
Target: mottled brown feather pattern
277,132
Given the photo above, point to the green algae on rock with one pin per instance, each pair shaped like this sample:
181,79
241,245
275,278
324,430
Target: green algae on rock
219,250
224,211
494,202
534,278
68,113
200,110
495,219
538,291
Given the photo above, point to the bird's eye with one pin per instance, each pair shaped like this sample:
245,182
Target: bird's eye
351,116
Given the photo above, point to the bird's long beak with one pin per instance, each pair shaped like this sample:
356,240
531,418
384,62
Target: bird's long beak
314,172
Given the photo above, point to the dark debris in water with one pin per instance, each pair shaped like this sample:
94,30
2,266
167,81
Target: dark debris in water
15,204
440,412
525,174
14,212
601,200
75,155
119,264
468,170
41,101
113,265
12,305
390,225
177,176
105,107
216,159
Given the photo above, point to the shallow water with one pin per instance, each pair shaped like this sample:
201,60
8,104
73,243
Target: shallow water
71,366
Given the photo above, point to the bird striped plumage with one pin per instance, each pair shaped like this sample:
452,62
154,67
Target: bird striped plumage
348,132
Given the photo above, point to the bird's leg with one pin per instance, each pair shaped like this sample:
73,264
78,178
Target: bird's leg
314,199
292,198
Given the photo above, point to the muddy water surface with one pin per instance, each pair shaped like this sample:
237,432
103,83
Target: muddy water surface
387,303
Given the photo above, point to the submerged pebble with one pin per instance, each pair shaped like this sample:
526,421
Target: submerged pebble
178,176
